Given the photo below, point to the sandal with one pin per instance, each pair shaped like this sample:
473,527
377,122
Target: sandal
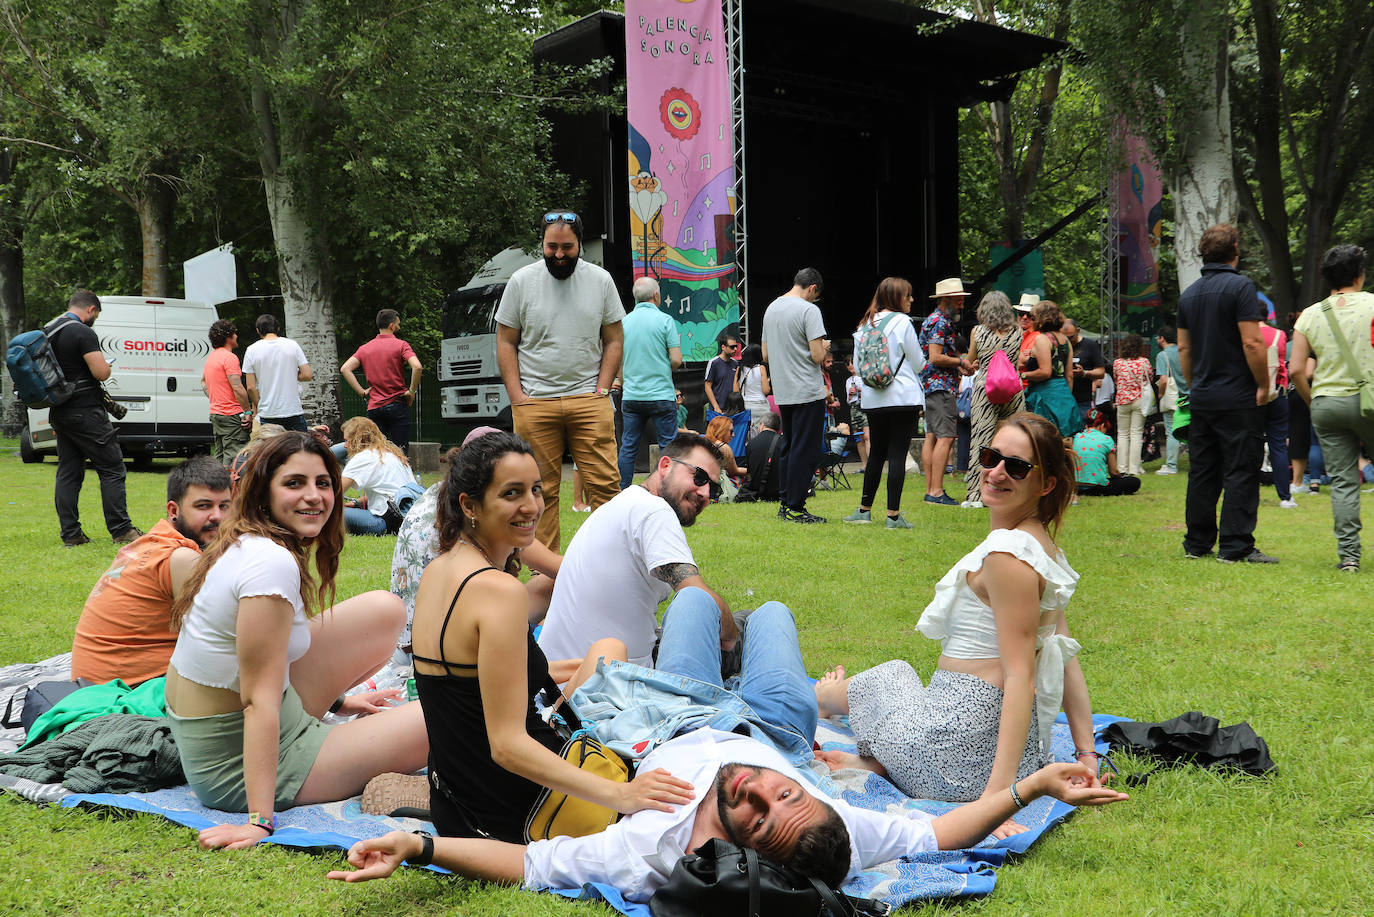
397,796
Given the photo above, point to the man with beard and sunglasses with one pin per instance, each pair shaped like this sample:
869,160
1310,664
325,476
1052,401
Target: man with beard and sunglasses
559,342
125,630
740,743
632,554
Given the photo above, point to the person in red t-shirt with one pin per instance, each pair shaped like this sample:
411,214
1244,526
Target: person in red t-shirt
383,360
231,416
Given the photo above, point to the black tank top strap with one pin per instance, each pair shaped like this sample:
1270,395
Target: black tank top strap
448,616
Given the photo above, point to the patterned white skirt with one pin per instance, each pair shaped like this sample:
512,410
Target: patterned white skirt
936,742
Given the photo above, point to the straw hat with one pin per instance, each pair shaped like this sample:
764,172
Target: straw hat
1028,302
950,287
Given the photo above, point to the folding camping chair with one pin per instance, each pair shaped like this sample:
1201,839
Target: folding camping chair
739,430
830,474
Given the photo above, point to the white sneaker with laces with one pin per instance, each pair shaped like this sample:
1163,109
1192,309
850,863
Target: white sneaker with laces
1288,504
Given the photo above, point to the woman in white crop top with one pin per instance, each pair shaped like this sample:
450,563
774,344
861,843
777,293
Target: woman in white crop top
257,664
1007,662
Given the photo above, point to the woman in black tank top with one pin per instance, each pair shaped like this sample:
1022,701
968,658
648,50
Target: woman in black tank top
478,668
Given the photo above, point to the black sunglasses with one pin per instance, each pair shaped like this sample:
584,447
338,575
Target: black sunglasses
1018,468
560,216
700,477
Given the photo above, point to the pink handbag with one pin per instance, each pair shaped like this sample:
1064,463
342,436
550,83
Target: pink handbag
1002,382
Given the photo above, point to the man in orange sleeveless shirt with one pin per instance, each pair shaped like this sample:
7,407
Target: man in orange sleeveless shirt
125,629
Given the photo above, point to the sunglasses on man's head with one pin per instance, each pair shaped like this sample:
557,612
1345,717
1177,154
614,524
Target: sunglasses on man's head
700,477
560,216
1018,468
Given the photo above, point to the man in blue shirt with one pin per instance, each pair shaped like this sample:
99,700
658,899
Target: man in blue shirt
1222,352
652,351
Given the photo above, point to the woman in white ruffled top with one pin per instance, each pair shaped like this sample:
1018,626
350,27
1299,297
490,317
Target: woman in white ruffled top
1007,663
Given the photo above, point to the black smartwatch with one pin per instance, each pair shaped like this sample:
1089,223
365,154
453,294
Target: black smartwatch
426,856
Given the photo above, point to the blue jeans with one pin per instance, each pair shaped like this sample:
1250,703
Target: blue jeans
294,422
638,415
772,679
362,522
394,421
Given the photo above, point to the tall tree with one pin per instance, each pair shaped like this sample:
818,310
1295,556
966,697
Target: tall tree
1305,131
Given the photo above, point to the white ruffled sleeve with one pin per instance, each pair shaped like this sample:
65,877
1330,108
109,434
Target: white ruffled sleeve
1060,578
267,568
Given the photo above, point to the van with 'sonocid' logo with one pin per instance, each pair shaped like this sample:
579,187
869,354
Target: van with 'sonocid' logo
158,348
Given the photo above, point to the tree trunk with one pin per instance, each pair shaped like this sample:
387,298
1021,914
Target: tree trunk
1202,186
154,206
307,288
12,414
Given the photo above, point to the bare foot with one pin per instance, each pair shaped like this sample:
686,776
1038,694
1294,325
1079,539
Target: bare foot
832,693
839,760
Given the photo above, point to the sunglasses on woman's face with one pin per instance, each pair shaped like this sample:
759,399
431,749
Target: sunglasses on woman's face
1018,468
699,475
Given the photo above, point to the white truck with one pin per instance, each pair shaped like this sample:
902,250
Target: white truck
158,347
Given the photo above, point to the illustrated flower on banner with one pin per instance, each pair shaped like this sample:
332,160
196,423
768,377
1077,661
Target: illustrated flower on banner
680,113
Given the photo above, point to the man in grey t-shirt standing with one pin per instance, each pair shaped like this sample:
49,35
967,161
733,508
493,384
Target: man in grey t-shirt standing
794,347
558,343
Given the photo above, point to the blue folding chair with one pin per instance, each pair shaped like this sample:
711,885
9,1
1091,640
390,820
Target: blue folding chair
739,429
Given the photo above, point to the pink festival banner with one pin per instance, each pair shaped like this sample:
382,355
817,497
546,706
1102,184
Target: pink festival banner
1140,197
681,163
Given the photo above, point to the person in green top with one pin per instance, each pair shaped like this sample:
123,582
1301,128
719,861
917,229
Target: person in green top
1334,391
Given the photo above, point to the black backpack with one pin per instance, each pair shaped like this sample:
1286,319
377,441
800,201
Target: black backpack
721,879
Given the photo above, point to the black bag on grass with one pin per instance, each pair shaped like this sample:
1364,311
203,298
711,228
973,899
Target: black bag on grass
721,879
1194,738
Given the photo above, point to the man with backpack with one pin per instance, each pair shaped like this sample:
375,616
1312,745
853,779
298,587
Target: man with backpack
83,427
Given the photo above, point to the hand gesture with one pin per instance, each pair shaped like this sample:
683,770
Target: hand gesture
234,837
367,702
409,397
378,857
655,789
1075,784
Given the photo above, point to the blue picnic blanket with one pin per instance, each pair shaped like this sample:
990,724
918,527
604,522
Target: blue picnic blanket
945,874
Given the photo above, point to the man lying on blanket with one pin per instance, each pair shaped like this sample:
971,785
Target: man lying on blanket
745,788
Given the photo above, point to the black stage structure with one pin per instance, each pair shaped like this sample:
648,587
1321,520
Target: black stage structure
849,130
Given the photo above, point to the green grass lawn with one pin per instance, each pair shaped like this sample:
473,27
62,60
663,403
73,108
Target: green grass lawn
1287,648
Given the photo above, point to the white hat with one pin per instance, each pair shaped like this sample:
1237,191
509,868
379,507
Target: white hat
950,287
1028,302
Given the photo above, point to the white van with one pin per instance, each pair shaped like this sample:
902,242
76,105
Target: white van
158,347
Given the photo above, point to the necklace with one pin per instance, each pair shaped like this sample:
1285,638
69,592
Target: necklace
480,550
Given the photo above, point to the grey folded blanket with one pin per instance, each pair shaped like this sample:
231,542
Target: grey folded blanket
118,753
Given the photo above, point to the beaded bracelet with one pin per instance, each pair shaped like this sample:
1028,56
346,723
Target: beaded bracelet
1016,797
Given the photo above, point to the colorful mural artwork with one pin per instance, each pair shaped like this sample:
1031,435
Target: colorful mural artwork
1140,198
681,164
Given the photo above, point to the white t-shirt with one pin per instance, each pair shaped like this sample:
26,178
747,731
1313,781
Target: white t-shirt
903,347
378,475
790,324
605,587
560,326
637,854
275,363
207,646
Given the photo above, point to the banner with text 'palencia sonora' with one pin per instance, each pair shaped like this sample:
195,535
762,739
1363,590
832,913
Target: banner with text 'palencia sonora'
681,163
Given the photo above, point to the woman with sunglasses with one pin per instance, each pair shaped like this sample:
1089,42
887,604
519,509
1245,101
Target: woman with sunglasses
478,667
1007,663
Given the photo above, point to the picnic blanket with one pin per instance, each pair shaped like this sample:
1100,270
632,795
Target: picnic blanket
338,825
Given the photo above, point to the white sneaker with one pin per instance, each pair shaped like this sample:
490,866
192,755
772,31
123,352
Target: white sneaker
1300,489
972,504
1288,504
1166,470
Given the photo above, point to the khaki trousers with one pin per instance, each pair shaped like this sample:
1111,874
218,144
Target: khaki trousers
583,425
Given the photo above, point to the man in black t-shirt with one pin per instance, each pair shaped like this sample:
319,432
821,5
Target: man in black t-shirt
761,458
1088,365
1222,353
83,428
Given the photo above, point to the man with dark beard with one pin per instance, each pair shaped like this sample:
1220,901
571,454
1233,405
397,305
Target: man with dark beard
632,554
125,629
739,743
558,343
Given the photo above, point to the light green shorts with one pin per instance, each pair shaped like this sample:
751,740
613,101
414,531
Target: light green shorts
211,749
